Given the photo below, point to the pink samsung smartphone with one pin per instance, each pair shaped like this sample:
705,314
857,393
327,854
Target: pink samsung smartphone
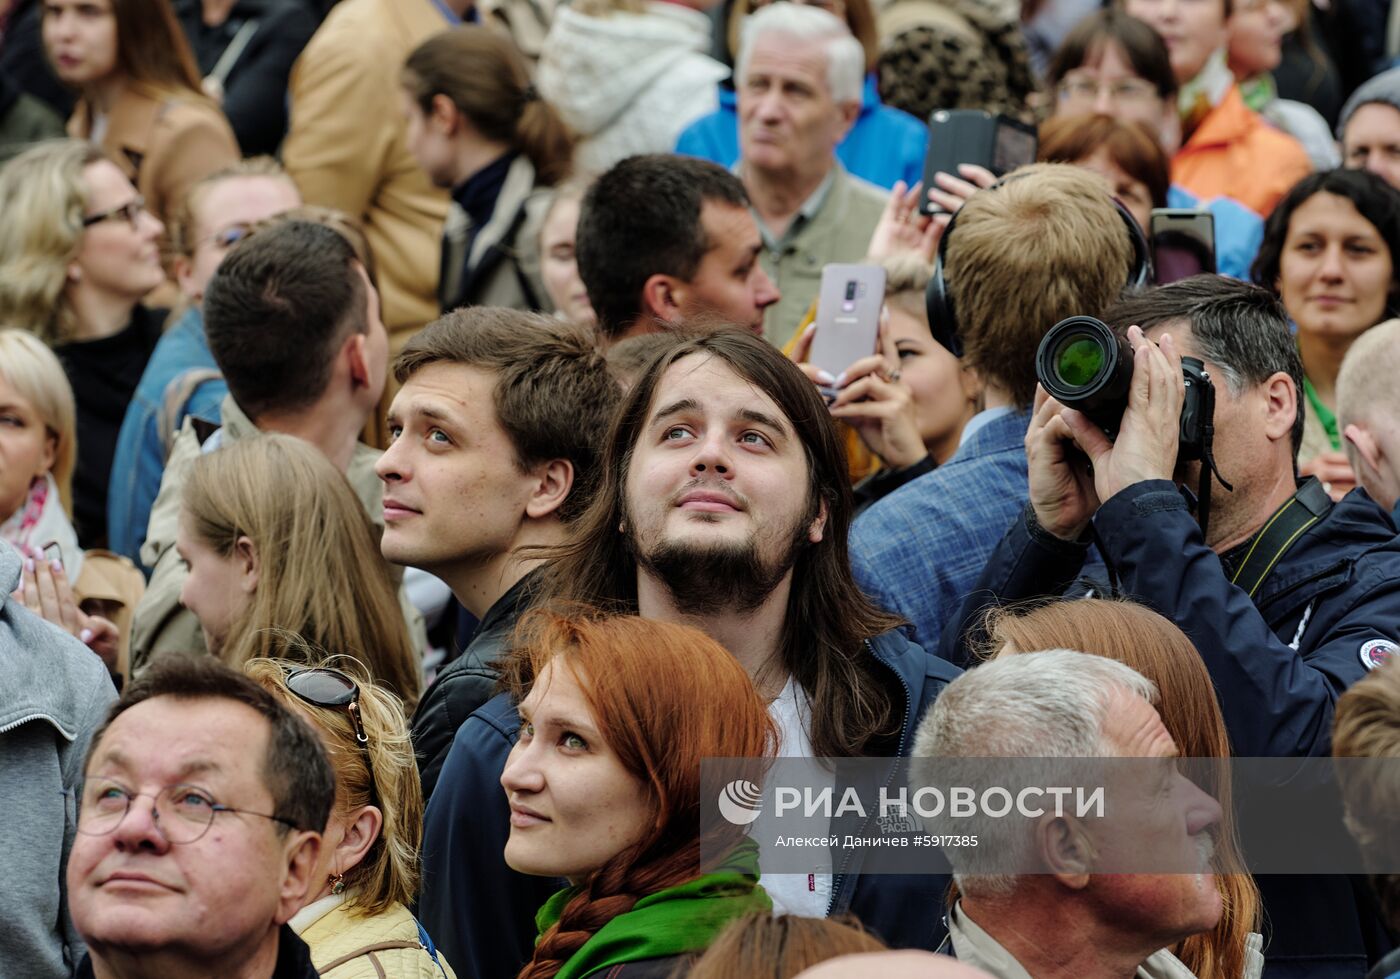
848,317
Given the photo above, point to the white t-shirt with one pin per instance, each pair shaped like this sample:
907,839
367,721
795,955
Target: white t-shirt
806,894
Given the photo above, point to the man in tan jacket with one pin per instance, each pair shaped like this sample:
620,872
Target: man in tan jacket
347,145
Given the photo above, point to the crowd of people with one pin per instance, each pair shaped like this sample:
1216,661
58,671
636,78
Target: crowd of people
413,465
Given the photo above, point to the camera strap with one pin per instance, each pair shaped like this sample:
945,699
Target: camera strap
1289,523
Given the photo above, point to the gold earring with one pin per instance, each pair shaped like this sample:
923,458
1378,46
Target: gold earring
337,882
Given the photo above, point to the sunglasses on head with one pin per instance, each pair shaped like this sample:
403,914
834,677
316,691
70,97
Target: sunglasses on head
332,689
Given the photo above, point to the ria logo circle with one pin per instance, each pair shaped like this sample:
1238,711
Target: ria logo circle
741,802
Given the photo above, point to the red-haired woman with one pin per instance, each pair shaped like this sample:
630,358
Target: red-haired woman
140,95
604,790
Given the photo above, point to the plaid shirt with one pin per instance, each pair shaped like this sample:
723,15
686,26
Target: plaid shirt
921,549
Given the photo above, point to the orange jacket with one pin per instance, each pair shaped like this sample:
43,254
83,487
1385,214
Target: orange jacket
1235,153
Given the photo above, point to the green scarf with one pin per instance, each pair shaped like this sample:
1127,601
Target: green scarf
670,922
1259,92
1325,415
1199,96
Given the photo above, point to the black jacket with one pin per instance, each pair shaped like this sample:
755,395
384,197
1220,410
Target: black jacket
293,959
466,683
255,84
1279,661
484,913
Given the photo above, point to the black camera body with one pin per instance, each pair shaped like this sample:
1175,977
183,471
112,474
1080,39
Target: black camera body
1084,365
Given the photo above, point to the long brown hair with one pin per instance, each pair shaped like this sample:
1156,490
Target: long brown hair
152,51
829,619
766,946
664,697
486,78
321,575
1139,637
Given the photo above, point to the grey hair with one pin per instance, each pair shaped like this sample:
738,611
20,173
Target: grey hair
845,58
1239,327
1049,704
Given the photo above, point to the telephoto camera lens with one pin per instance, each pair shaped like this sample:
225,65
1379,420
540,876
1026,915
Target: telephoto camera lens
1084,365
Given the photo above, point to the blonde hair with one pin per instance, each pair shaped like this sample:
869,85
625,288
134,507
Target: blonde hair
1364,382
36,375
906,280
43,197
389,872
1042,245
320,575
184,222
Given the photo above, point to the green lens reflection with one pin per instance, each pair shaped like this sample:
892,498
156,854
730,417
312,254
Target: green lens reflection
1079,361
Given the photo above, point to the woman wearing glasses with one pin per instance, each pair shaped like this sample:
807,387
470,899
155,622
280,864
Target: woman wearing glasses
78,251
604,790
140,96
276,541
1111,64
356,920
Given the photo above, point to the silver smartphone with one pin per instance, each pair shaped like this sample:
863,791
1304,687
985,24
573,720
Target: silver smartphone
848,317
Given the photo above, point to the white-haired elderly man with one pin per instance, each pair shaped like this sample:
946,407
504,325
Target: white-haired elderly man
799,76
1056,912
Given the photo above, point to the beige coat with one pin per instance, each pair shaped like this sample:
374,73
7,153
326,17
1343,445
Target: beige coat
162,624
164,145
346,946
347,147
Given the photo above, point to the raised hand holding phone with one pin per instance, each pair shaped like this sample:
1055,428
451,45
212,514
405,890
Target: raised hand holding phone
872,400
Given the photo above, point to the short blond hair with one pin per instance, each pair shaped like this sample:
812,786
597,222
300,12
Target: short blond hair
906,282
43,197
1044,244
36,375
184,222
1366,380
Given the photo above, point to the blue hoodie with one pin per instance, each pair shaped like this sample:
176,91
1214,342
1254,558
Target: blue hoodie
883,146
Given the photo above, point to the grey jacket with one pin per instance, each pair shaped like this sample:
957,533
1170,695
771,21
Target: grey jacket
54,692
505,255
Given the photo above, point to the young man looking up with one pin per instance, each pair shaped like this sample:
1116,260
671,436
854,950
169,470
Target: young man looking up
496,429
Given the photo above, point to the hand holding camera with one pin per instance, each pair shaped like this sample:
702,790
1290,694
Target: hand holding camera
1079,456
1148,439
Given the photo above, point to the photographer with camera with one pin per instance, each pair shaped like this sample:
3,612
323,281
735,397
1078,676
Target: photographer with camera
1289,597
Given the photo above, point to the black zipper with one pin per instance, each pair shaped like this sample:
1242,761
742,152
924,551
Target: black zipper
839,878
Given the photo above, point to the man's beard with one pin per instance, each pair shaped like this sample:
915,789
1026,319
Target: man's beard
723,576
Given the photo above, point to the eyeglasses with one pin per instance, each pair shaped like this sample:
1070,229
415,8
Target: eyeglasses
227,237
323,687
1083,89
130,212
183,813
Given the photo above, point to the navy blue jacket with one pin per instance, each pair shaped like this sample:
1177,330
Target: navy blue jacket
1279,662
483,913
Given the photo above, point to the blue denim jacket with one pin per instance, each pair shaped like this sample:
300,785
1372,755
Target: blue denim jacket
918,551
883,146
140,458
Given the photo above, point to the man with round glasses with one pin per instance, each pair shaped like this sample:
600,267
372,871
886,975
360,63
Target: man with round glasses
199,825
